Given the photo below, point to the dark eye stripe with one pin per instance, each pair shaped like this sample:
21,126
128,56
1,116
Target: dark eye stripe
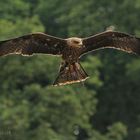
76,41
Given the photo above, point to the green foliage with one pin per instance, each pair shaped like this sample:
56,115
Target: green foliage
94,81
117,131
9,29
12,10
105,108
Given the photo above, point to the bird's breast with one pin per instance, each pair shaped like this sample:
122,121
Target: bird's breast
71,54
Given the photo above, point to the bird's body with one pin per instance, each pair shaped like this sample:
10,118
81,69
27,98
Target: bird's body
70,49
73,50
71,71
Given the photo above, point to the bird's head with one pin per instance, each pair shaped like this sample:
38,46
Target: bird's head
75,42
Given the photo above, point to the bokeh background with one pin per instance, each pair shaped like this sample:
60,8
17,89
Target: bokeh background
106,107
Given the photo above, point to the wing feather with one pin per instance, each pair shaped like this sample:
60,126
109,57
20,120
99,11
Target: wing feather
115,40
32,44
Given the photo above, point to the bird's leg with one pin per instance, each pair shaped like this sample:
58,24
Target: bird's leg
75,69
78,75
77,72
62,66
69,72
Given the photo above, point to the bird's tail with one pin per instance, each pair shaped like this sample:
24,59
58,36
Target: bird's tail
70,73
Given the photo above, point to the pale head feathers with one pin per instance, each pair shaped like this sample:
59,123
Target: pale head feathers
74,42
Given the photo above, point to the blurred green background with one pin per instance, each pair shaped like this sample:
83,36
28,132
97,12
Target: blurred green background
107,107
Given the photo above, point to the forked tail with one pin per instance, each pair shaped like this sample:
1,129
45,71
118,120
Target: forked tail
70,73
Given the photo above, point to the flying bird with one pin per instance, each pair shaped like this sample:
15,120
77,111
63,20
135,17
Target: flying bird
70,49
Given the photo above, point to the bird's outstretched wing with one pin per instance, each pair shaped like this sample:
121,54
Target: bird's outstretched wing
32,44
111,39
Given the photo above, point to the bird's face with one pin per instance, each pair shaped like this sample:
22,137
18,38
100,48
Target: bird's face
75,42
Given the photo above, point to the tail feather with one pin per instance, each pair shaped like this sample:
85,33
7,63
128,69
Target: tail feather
70,73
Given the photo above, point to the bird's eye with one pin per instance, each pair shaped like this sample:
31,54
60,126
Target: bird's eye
76,42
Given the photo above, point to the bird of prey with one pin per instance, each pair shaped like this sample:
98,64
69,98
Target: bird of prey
70,49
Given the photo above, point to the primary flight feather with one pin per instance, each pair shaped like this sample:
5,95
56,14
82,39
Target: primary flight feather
71,49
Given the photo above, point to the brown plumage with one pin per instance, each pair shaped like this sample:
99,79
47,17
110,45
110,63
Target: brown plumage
71,49
115,40
32,44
